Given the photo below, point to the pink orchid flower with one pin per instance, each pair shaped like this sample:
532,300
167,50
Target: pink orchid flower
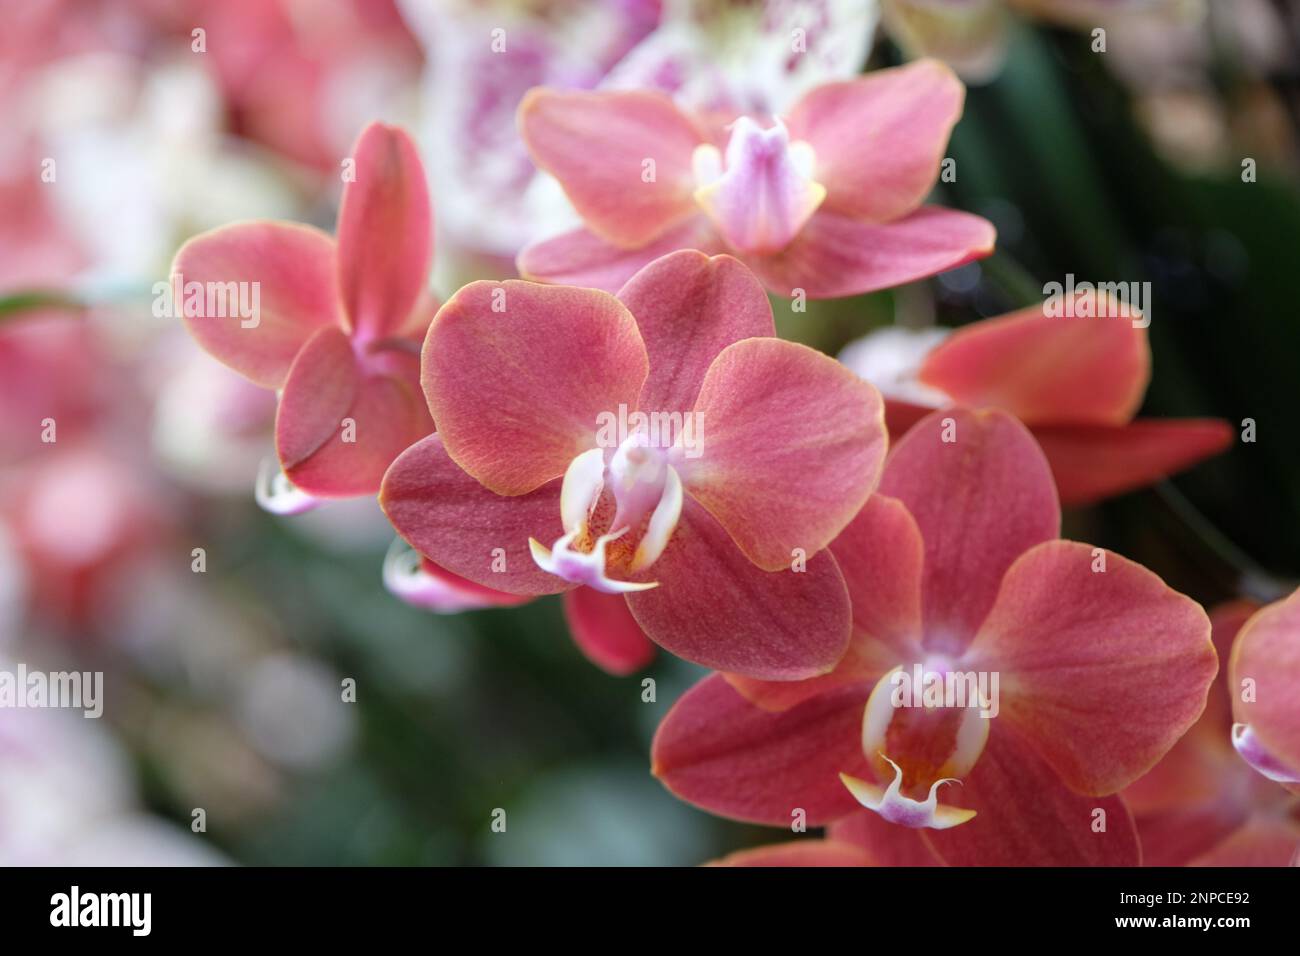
340,320
1263,677
955,569
543,474
827,200
1201,805
1077,380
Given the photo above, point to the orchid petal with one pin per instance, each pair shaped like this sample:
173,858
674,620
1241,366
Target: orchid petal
1028,817
689,307
291,268
1095,462
517,376
1267,653
981,493
879,554
385,232
1045,369
714,608
718,752
1103,666
606,632
835,256
340,425
799,853
888,844
793,443
464,528
582,258
623,158
879,139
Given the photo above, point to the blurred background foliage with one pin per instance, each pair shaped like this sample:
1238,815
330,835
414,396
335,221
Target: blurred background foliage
1084,170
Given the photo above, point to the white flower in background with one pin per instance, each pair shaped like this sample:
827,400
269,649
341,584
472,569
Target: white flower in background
67,799
489,196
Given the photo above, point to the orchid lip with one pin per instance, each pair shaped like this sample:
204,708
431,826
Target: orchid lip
648,497
759,193
1247,744
894,806
587,568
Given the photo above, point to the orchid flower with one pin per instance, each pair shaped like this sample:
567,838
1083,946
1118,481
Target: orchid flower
955,569
1263,676
826,200
340,322
543,475
1201,805
1075,376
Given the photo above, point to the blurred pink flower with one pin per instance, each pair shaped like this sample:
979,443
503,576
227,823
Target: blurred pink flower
827,200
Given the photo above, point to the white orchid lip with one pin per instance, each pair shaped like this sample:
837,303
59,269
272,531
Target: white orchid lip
648,498
894,806
1261,760
761,192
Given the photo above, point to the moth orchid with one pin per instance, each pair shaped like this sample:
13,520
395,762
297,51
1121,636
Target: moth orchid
713,531
1201,805
827,199
1076,375
955,567
1264,673
340,320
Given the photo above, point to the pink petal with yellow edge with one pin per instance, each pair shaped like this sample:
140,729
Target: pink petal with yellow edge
1102,670
888,843
799,853
713,607
879,139
606,632
879,554
623,158
517,376
1260,842
1095,462
342,421
1267,652
582,258
293,267
793,443
836,256
689,307
722,754
448,516
1046,370
980,500
1026,816
385,232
